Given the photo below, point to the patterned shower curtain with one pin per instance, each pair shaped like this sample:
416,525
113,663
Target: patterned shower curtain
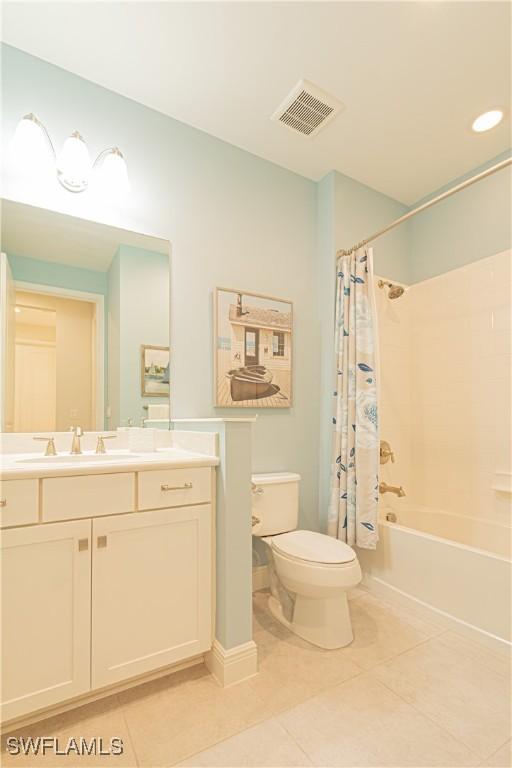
355,462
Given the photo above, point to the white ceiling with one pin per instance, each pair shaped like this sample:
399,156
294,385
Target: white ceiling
413,75
56,237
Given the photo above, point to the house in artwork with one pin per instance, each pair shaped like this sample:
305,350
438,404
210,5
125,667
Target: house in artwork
259,336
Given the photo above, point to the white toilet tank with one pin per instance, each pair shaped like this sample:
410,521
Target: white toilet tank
275,503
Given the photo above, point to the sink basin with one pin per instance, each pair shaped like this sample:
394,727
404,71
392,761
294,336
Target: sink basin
78,458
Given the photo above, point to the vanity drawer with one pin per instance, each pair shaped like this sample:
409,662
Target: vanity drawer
18,502
68,498
162,488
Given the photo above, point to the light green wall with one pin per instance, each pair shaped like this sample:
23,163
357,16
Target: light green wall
360,210
138,314
469,226
234,220
233,575
25,269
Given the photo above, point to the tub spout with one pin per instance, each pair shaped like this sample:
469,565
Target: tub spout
397,490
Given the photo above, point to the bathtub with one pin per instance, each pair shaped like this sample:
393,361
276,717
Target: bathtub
429,560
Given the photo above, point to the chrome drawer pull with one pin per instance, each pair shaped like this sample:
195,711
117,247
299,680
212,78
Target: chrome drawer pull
3,502
184,487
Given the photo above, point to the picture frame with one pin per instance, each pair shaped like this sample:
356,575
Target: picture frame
154,371
253,350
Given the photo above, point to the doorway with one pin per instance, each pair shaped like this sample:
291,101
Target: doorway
54,363
252,345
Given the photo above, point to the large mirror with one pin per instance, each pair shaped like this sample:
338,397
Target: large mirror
85,324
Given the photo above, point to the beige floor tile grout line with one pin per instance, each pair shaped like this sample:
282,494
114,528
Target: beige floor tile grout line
292,737
324,689
130,737
361,673
441,727
507,741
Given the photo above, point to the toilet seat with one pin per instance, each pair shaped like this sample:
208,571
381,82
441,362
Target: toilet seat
312,547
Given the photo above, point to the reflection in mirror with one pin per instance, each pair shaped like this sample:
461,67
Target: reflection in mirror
85,324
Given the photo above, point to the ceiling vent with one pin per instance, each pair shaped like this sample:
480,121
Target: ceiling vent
307,109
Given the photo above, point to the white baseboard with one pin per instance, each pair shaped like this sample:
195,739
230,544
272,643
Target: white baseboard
260,577
233,665
428,612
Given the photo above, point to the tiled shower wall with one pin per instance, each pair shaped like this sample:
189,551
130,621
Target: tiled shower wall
446,389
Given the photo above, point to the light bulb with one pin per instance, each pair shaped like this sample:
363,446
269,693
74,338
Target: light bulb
74,164
31,149
112,175
487,120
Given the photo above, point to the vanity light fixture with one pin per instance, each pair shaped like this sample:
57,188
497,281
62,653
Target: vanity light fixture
487,120
73,164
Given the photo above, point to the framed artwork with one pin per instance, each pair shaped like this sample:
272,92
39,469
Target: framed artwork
154,370
253,350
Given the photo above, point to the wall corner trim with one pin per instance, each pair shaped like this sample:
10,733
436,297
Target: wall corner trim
232,666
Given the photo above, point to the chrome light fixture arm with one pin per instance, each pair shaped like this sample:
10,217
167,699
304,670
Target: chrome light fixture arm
43,128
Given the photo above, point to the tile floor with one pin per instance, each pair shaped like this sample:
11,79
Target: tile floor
405,693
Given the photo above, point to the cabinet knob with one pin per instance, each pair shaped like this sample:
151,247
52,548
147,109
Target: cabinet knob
3,502
83,545
101,541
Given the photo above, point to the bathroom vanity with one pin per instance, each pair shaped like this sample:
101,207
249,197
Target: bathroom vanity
108,547
107,570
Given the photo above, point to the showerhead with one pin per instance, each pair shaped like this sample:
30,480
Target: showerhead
395,291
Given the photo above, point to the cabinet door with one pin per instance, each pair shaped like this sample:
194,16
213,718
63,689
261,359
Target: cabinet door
151,589
46,594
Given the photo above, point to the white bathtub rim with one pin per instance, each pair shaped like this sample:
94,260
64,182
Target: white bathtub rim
382,588
442,539
401,505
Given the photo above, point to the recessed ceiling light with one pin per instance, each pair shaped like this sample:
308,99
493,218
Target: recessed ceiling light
487,120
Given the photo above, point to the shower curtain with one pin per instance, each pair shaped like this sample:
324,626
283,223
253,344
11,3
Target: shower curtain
355,461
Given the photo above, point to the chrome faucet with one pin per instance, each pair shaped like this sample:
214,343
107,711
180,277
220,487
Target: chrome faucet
385,488
75,443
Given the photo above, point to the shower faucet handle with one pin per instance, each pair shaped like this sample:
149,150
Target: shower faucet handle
386,453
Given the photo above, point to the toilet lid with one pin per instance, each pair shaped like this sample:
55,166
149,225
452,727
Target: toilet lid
314,547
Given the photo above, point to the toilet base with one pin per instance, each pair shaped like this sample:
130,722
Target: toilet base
324,622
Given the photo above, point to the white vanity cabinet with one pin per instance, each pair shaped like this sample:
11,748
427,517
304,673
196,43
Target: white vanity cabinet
46,615
151,590
92,602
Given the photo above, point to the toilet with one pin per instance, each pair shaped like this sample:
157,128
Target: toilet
310,572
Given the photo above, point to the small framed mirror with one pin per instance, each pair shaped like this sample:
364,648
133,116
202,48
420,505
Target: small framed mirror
85,324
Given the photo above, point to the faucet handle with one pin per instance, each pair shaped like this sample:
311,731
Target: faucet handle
100,445
386,452
50,445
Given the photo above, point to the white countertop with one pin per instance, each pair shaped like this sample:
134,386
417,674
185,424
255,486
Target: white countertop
17,466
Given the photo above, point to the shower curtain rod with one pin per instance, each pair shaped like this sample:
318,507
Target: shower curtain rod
443,196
